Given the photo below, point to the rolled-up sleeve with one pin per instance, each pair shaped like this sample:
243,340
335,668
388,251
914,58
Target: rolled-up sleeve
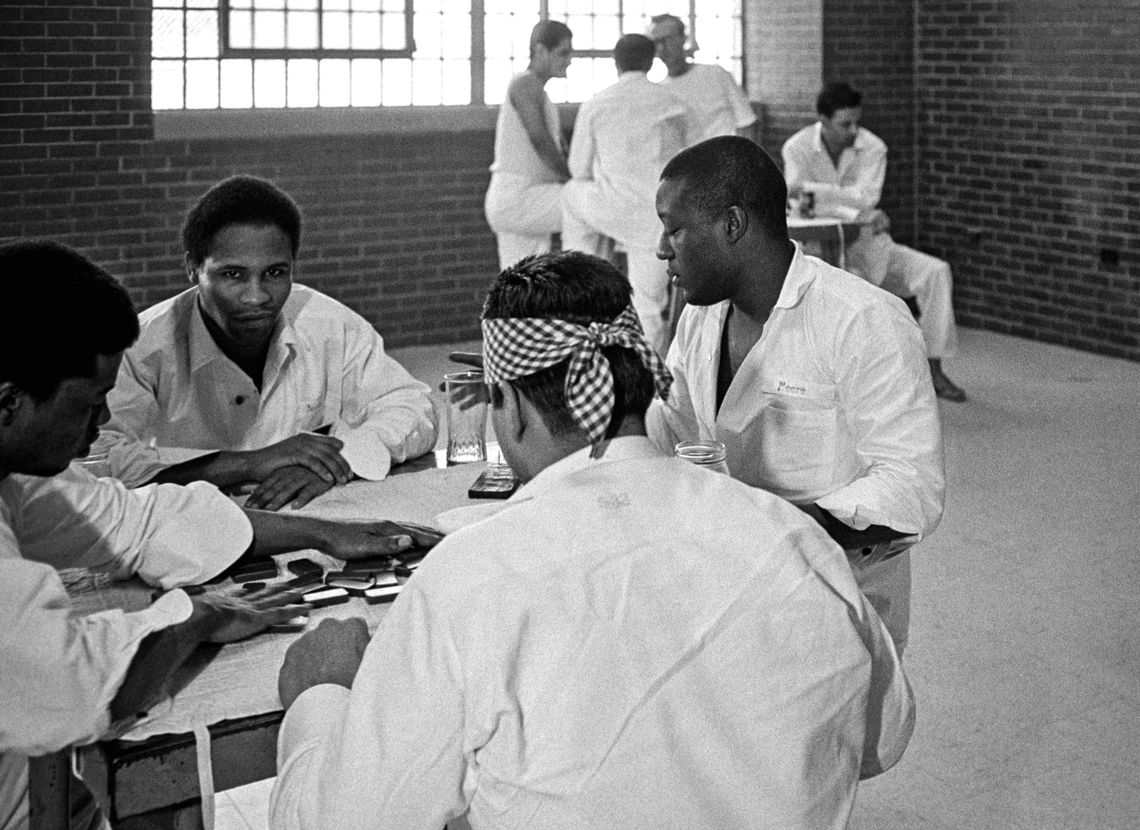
166,534
387,415
62,672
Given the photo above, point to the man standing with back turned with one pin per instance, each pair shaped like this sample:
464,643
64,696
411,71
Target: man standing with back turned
623,137
844,165
814,380
632,642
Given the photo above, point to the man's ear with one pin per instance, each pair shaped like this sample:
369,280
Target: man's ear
735,223
191,271
11,396
513,410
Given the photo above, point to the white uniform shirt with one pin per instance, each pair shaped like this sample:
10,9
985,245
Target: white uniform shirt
60,673
623,138
833,405
179,397
717,106
630,642
843,190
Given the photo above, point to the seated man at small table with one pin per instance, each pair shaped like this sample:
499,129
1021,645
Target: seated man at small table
246,378
632,641
843,166
64,324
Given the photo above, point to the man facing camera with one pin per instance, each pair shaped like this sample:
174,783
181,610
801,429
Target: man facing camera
249,379
632,641
64,324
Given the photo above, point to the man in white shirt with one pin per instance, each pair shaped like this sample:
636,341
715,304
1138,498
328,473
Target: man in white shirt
632,641
716,104
522,202
623,137
72,679
814,379
843,166
246,379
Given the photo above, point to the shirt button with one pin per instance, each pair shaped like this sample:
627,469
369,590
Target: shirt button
239,400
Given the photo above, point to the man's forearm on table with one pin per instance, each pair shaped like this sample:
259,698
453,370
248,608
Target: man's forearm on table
222,469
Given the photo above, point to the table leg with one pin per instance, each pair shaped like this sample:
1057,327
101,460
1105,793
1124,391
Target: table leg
49,791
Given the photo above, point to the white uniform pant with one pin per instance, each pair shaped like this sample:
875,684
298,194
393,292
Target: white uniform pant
524,214
886,585
647,274
647,278
905,272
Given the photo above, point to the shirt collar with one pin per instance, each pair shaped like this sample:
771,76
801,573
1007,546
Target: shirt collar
617,449
796,281
857,147
631,75
204,349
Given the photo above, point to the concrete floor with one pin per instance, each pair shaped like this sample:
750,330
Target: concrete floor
1025,643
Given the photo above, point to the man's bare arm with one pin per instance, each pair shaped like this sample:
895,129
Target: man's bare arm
527,97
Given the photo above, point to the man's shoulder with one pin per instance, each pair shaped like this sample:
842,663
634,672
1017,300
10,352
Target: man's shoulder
307,305
855,296
801,138
867,142
165,320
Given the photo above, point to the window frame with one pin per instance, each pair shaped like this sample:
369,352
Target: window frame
221,121
228,52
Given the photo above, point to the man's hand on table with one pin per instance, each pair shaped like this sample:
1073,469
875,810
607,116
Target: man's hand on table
361,540
329,653
318,453
294,485
230,617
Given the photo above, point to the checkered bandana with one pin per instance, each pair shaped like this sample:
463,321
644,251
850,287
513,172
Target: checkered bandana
517,347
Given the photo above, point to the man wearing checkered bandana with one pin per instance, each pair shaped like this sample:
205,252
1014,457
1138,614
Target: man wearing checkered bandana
518,347
629,641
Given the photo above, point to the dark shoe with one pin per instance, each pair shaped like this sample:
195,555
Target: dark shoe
946,388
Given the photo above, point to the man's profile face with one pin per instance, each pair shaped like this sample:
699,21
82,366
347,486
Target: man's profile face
840,130
245,280
556,60
690,246
53,432
669,39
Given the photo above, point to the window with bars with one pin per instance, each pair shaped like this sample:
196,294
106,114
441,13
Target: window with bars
248,54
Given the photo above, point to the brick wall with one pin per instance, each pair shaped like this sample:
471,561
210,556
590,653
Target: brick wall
1029,165
870,45
785,64
1024,159
394,224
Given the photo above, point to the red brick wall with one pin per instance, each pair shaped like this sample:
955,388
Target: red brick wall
1029,165
393,223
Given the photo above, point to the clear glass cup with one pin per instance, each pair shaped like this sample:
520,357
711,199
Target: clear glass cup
711,455
466,416
96,463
